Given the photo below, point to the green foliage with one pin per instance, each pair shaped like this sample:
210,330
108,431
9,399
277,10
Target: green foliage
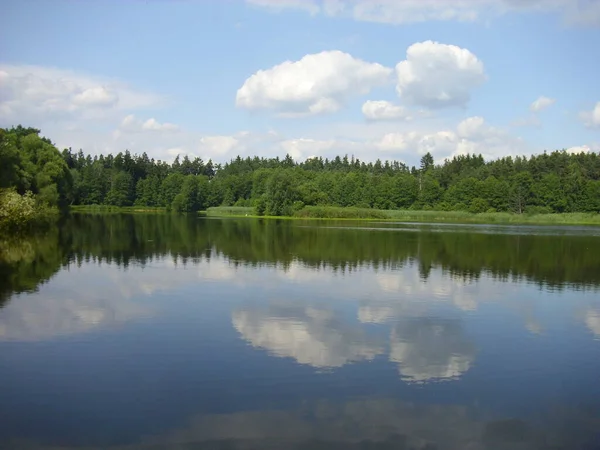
556,182
281,194
478,205
34,180
121,190
22,212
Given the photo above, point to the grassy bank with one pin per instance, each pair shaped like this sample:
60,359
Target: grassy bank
330,212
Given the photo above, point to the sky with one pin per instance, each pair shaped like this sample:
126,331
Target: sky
388,79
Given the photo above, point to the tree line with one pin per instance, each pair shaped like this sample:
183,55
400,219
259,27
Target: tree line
551,182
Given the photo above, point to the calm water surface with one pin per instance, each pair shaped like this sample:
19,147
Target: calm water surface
153,331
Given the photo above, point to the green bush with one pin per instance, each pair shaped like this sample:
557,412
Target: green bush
443,206
19,212
478,205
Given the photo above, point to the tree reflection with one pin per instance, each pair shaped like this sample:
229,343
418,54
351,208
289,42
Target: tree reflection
551,261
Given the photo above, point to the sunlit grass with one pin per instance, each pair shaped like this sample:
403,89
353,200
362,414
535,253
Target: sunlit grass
332,212
219,211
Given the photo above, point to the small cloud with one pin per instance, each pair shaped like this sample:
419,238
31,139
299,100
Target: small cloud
134,125
584,149
384,110
542,103
96,96
591,119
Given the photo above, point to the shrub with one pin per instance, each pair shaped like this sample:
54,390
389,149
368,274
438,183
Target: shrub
459,207
443,206
478,205
19,212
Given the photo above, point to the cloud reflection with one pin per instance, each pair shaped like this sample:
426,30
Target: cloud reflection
309,335
44,317
592,321
376,423
428,349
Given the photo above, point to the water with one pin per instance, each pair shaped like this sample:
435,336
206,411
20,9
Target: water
157,331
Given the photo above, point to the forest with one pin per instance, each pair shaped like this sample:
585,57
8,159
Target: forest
36,178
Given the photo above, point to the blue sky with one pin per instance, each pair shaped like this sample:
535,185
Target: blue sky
210,78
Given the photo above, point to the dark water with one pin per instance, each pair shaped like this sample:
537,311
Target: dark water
134,331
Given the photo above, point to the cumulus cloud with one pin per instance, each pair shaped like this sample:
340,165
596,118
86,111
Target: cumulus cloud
384,110
436,75
591,118
581,12
542,103
317,83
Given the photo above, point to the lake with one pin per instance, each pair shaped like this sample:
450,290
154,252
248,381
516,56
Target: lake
157,331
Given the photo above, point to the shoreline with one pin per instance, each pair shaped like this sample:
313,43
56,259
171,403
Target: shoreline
389,216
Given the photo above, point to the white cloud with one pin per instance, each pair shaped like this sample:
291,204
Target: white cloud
101,115
218,145
132,124
35,94
584,148
317,83
300,149
591,118
153,125
542,103
397,12
472,135
438,75
96,96
384,110
579,149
